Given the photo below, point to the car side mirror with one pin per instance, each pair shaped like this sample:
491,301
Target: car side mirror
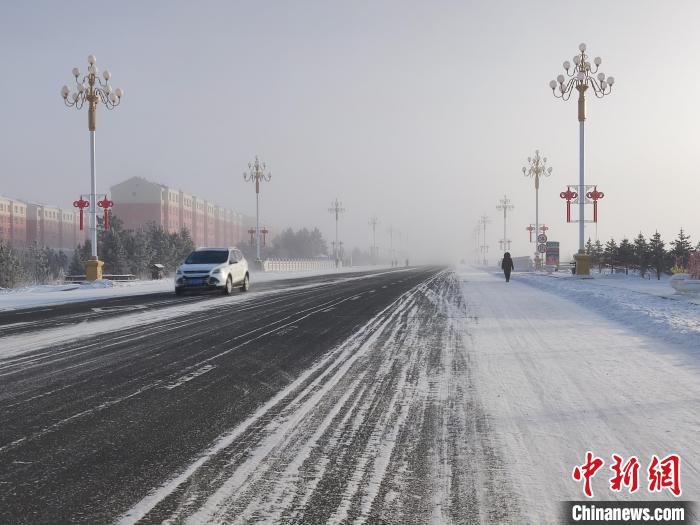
232,261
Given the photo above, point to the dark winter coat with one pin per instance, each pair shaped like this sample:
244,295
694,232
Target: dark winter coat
507,264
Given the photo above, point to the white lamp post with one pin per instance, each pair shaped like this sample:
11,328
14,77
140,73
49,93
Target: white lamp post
537,168
257,174
93,90
505,205
580,77
337,209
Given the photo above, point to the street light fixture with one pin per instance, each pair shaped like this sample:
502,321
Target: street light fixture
581,76
373,223
537,168
337,208
505,205
483,221
93,90
257,174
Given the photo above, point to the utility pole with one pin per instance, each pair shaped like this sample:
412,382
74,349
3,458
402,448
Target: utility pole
373,223
337,209
505,205
484,247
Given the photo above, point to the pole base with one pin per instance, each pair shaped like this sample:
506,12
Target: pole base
538,262
582,264
93,269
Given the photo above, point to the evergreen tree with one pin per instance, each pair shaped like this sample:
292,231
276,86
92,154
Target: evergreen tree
161,247
599,254
35,261
657,254
641,254
113,252
182,246
681,249
625,253
10,266
58,264
81,255
139,253
610,254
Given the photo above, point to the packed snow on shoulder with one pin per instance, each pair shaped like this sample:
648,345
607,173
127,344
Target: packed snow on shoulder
44,295
650,307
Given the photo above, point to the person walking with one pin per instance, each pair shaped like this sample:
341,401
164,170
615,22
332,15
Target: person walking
507,265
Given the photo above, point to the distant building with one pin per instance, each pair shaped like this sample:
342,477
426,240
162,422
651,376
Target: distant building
25,223
138,202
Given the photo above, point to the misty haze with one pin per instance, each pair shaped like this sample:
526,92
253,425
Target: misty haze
365,262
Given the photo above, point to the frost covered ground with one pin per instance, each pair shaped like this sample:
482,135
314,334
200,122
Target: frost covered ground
44,295
565,366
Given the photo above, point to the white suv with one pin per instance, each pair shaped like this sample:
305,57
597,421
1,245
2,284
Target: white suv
213,268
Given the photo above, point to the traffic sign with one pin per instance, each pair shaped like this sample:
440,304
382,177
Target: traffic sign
542,248
541,238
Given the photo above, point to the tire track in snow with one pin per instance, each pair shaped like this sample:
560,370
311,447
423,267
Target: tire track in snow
386,429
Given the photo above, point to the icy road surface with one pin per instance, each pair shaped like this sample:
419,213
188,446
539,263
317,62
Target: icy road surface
415,396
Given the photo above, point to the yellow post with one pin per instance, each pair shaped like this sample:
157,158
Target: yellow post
93,269
582,264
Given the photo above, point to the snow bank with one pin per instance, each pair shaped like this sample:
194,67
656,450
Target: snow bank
45,295
649,307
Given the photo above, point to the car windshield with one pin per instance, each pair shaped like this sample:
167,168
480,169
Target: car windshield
207,257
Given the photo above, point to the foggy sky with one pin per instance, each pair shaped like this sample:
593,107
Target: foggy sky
422,113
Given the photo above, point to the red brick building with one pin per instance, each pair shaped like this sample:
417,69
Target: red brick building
138,202
23,224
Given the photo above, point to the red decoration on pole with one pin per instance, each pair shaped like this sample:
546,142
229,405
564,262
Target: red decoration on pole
594,196
105,204
544,228
531,229
264,232
252,234
81,204
569,196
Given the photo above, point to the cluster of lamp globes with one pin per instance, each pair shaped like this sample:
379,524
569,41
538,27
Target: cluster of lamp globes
113,96
582,72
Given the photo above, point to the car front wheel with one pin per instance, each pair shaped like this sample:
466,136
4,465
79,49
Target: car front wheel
245,286
228,289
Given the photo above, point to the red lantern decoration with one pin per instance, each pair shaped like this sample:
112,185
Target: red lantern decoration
81,205
544,228
569,196
252,235
530,229
594,196
105,204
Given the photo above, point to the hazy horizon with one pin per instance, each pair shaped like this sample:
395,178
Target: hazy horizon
420,113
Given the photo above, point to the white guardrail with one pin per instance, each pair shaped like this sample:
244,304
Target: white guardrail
296,265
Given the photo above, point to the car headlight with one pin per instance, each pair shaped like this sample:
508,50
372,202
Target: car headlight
217,271
178,271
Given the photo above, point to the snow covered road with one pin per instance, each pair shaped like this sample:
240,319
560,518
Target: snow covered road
409,397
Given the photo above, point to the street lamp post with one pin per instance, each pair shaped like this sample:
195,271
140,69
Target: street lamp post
483,221
337,208
505,205
373,223
257,174
581,77
93,90
537,168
